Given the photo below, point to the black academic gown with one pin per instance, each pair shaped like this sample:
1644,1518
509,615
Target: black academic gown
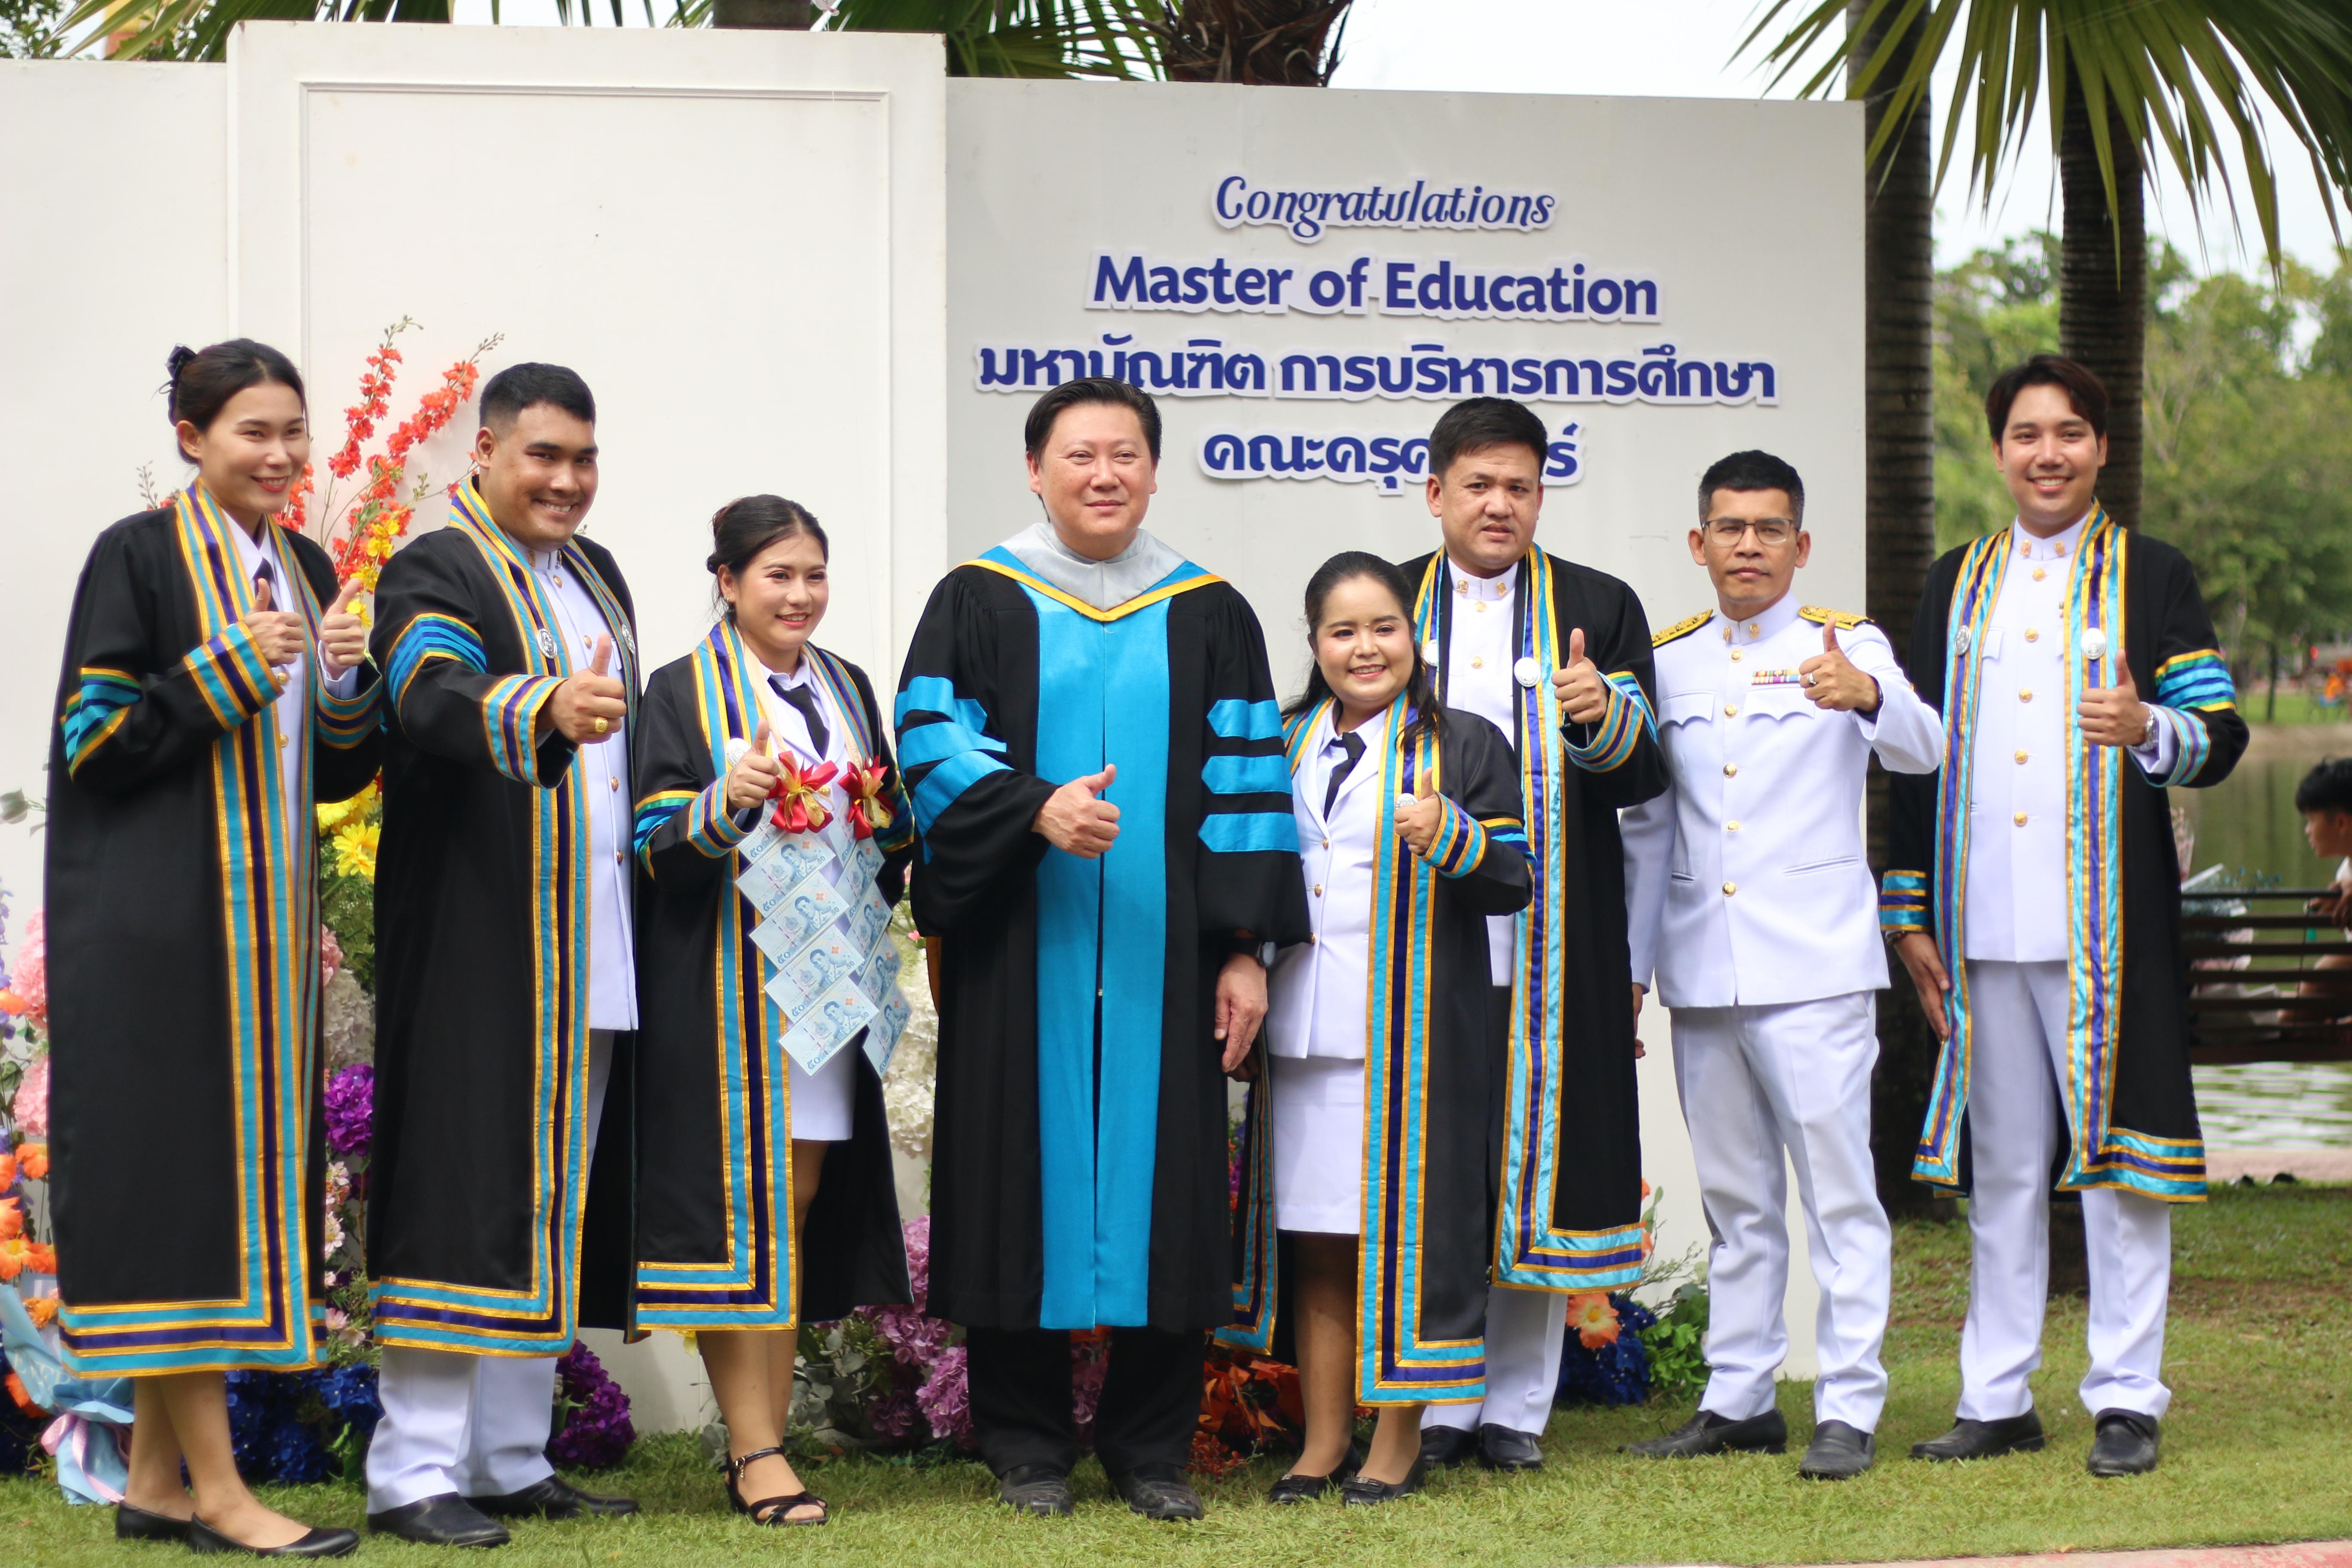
1420,1316
1567,1206
485,1234
714,1246
1076,1186
2130,1108
187,1137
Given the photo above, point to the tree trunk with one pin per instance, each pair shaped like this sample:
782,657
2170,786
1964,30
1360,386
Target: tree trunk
2102,289
1899,502
797,15
1264,43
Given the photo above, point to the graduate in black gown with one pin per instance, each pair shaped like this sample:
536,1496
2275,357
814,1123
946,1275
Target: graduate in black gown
764,1192
1093,754
1359,1258
215,687
505,977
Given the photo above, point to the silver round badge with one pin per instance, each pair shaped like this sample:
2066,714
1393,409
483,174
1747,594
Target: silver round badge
1526,672
1967,637
1429,651
546,643
737,750
2094,643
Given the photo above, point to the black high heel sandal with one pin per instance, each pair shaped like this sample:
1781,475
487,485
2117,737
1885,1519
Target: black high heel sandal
771,1509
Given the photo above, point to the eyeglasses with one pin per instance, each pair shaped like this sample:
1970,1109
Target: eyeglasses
1769,530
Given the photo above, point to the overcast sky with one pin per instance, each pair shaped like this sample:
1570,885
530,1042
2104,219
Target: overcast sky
1686,48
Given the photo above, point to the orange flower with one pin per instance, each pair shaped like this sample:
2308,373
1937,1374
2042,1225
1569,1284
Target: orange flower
16,1006
32,1159
42,1310
7,1171
16,1386
12,1218
1593,1319
15,1253
41,1257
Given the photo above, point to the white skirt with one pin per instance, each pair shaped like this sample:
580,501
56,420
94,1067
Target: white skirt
1319,1144
824,1101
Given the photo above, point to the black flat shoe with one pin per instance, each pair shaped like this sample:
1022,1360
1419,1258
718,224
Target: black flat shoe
1707,1433
771,1509
1502,1449
2126,1445
553,1498
1984,1439
1296,1488
203,1540
446,1520
1443,1448
1837,1453
1159,1491
1035,1489
1362,1491
137,1524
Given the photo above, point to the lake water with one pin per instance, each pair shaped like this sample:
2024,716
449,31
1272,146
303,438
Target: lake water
2248,824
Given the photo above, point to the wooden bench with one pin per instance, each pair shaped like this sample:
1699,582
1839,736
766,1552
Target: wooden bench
2250,953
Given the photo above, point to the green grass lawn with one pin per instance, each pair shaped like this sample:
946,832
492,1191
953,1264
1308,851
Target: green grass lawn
2255,1450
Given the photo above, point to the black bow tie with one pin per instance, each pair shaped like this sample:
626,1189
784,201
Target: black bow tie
1354,745
803,701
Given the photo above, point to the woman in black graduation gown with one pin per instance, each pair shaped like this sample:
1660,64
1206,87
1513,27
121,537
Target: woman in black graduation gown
1361,1249
215,687
738,1240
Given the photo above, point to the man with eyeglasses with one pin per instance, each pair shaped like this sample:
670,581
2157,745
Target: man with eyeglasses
1751,900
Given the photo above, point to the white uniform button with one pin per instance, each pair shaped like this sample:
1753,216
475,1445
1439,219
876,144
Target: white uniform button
1478,606
1477,661
1731,827
1729,888
2039,573
2021,757
616,784
2026,695
2018,819
1731,770
1730,710
1318,889
2033,636
1735,655
616,856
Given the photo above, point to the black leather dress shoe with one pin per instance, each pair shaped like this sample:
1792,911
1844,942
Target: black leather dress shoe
1837,1453
1362,1491
1035,1489
137,1524
2126,1445
1984,1439
1443,1448
203,1540
554,1497
1707,1433
1501,1448
1159,1491
447,1519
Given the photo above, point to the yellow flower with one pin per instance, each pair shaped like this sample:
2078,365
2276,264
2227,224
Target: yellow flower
355,847
360,807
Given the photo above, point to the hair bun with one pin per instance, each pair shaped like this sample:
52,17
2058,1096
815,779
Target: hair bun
179,359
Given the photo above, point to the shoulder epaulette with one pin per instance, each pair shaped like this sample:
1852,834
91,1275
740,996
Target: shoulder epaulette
1819,616
1681,628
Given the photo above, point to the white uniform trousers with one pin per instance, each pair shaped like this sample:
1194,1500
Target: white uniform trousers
474,1424
2016,1127
1757,1081
1523,1338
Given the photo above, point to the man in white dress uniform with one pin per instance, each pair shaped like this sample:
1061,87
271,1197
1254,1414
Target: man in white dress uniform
1751,900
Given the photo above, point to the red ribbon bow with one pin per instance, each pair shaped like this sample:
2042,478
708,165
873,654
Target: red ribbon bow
870,806
800,797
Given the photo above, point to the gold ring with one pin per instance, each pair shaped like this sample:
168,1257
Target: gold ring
603,725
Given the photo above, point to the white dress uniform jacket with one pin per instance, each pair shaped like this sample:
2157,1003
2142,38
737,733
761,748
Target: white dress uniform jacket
1745,881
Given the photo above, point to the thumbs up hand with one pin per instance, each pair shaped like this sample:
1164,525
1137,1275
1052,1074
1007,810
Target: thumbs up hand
342,635
1833,682
2114,715
755,773
590,702
1076,820
1583,695
1420,814
278,635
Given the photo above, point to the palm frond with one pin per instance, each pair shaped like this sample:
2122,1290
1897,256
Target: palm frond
1057,38
2188,77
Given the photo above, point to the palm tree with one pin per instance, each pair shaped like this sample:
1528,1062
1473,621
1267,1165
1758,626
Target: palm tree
2117,83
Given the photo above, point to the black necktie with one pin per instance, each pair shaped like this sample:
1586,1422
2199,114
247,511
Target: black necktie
266,576
804,703
1354,745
